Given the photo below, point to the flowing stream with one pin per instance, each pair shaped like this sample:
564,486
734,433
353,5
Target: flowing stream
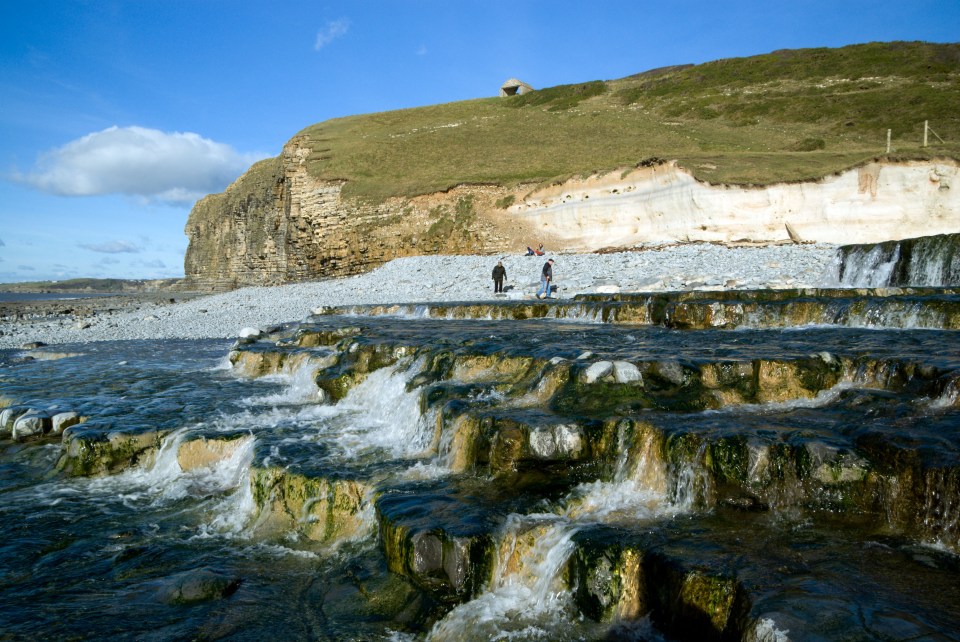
465,474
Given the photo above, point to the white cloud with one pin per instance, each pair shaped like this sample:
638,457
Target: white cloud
333,30
112,247
155,263
178,167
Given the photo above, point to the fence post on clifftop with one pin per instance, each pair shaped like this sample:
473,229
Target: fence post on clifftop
888,140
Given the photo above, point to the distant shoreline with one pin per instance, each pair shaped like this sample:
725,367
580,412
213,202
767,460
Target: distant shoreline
93,287
18,297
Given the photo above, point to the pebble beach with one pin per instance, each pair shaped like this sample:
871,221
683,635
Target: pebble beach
424,279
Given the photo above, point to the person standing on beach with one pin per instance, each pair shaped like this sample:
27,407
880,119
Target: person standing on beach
499,274
546,279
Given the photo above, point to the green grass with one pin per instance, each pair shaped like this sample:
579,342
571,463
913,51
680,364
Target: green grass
783,116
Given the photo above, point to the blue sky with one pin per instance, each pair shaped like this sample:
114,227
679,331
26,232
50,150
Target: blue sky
115,116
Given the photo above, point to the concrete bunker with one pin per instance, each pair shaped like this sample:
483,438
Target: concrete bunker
514,87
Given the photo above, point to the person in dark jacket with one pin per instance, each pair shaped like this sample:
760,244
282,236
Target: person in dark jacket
499,274
546,280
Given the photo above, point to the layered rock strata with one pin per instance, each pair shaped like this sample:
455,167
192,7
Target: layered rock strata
560,452
277,223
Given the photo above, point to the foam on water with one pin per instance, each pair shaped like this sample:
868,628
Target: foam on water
766,631
525,600
165,481
299,387
381,414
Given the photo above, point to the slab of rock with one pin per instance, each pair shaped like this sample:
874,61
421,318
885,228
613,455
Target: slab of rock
31,425
626,372
63,420
596,371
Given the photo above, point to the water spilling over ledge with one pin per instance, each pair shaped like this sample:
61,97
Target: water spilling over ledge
888,307
712,465
924,261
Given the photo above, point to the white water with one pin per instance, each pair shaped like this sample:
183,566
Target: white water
871,268
300,387
948,398
165,481
526,603
380,414
526,597
767,631
224,484
933,261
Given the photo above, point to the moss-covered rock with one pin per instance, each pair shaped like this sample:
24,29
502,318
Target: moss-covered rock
96,448
321,509
354,365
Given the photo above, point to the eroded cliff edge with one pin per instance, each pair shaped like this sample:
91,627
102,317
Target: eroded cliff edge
279,224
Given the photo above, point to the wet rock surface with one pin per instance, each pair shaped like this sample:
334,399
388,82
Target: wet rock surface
468,472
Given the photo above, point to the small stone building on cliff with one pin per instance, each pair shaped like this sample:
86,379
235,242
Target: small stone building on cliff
514,87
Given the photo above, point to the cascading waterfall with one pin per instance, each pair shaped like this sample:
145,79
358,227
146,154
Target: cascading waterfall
300,386
380,413
639,485
232,514
924,261
730,490
526,598
868,266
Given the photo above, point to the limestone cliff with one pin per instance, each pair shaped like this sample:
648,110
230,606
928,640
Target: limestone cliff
663,203
279,224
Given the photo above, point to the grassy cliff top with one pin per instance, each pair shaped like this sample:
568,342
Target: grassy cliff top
785,116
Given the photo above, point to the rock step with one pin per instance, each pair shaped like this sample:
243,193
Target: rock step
879,307
744,576
443,534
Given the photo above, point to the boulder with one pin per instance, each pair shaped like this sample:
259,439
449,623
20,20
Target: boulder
596,371
198,585
626,372
8,417
31,425
250,333
556,442
63,420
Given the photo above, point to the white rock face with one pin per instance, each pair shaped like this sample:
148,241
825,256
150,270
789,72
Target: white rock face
8,417
664,204
63,420
556,441
597,371
30,425
626,372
